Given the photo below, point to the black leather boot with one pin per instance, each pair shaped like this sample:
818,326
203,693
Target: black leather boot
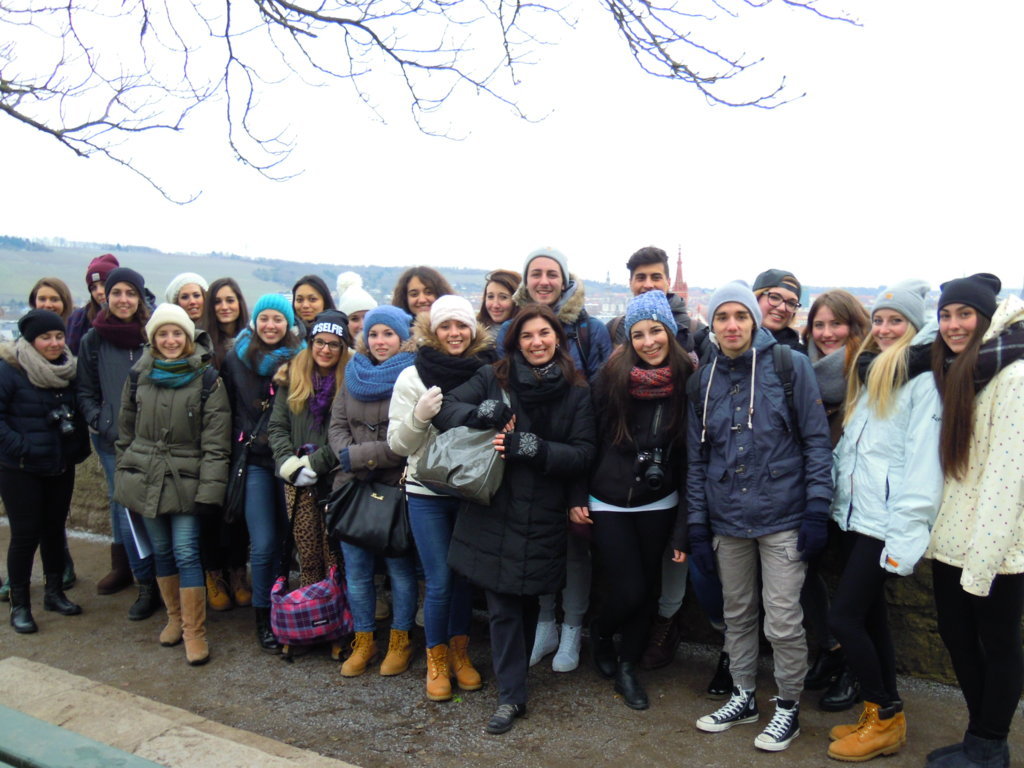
628,686
263,632
826,668
603,651
147,603
54,598
721,683
70,577
21,610
842,694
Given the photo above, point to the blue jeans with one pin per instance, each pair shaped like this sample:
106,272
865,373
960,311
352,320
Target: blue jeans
267,519
362,596
175,540
142,567
448,604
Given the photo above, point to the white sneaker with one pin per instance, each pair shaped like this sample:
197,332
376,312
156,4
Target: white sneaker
740,708
568,656
545,641
782,728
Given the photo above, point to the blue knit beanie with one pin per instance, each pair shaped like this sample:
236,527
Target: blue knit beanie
739,292
275,301
394,318
651,305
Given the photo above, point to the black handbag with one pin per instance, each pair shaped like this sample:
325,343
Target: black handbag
234,496
372,516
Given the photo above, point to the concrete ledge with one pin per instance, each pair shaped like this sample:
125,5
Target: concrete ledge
147,729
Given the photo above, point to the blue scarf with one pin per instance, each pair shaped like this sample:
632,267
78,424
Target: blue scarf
369,383
271,360
175,373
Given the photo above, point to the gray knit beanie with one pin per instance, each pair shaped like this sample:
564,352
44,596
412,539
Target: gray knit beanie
739,292
551,253
907,298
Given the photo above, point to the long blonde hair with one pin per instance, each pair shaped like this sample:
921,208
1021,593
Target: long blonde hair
300,377
886,374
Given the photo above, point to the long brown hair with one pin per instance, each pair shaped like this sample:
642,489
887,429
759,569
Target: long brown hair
218,336
508,280
613,384
431,279
955,381
62,291
511,345
846,309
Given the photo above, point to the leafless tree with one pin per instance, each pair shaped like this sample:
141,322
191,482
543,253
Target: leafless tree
100,76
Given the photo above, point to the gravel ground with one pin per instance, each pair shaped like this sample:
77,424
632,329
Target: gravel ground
574,719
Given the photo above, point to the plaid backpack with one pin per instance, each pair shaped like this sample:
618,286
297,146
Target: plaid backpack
315,614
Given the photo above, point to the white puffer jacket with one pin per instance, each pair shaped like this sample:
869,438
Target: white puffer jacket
886,471
980,527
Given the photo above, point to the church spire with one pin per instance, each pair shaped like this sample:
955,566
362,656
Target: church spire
679,286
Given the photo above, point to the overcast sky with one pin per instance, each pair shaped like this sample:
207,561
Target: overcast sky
904,160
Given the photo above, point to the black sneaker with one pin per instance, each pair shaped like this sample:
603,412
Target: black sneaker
782,728
740,708
504,718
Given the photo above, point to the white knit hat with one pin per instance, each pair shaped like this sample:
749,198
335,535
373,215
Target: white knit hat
170,314
352,297
452,307
174,287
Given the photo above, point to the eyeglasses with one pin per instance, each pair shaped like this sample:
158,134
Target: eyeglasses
334,346
775,299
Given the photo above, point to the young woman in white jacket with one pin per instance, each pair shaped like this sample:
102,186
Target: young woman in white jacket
887,489
978,540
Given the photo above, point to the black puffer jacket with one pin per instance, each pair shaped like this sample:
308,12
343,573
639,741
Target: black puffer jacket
249,394
30,440
616,478
517,545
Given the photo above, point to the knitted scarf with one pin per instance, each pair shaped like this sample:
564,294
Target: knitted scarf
321,399
536,384
997,353
650,383
174,374
269,361
368,382
122,334
40,371
445,371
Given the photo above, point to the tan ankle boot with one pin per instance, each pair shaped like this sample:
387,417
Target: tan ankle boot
364,651
217,591
460,665
399,654
193,624
881,732
240,589
439,684
169,586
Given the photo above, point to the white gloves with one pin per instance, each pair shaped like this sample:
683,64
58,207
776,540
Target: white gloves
305,477
428,405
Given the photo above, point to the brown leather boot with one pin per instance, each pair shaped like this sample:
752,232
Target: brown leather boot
169,591
364,651
881,732
460,666
399,654
439,684
240,589
217,596
120,576
193,624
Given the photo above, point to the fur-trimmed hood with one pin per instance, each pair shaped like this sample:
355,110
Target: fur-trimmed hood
8,356
422,336
569,305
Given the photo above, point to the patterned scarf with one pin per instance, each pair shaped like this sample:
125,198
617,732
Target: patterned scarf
368,382
650,383
174,374
269,361
997,353
123,335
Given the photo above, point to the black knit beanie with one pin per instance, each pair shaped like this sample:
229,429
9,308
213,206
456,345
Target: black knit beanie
125,275
979,291
36,322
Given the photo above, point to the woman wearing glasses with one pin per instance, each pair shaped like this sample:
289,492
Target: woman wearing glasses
778,295
298,436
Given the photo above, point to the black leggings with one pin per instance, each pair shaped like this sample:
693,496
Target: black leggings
983,637
860,620
630,546
37,508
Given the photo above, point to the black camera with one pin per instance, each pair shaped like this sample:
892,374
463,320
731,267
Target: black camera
648,468
63,418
